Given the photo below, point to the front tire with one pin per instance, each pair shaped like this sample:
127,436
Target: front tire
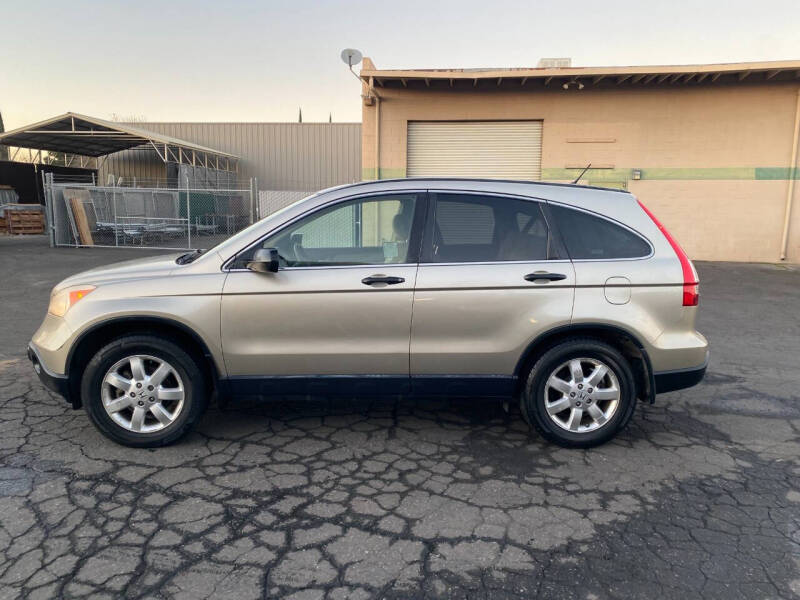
143,391
579,394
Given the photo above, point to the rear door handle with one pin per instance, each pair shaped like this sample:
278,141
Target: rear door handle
544,275
387,279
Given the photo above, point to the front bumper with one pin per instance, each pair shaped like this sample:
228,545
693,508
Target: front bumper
57,383
679,379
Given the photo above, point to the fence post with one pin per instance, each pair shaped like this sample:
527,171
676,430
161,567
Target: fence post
116,226
255,198
47,192
188,216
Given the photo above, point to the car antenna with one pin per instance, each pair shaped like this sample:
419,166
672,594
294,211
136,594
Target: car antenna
578,178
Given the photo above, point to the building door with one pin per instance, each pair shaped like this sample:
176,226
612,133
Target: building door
494,149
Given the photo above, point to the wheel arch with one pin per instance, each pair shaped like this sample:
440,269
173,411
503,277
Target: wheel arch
99,334
623,340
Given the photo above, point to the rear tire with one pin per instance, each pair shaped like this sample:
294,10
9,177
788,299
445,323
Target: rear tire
579,394
143,391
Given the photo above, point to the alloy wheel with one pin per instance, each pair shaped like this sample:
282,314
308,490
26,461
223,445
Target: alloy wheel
581,395
142,393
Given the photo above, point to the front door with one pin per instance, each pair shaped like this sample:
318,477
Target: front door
336,317
491,279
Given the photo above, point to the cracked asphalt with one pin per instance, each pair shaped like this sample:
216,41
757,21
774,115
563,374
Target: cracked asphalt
363,498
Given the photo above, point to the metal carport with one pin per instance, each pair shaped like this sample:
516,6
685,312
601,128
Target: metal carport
86,141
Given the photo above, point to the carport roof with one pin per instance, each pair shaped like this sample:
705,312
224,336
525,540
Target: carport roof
635,76
73,133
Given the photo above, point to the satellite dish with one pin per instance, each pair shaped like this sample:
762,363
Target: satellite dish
351,56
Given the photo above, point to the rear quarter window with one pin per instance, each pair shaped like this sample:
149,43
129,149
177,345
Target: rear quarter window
590,237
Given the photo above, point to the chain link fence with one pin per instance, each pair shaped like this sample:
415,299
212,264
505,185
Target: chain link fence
270,201
81,214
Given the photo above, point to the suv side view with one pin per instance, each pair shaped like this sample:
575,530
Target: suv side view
573,299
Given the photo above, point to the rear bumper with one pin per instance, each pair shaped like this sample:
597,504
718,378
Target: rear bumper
679,379
57,383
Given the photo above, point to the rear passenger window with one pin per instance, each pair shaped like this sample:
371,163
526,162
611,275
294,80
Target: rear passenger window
474,228
590,237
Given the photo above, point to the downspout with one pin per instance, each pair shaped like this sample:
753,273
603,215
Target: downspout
792,177
374,94
378,136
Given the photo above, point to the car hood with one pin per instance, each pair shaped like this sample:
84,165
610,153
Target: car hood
130,269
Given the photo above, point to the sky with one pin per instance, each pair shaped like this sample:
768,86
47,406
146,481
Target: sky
261,61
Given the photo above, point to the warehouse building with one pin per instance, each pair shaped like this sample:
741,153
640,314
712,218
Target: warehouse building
712,149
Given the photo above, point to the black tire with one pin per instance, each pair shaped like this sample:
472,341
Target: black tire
195,394
532,403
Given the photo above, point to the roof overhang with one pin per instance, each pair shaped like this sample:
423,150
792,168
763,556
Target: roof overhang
602,77
79,135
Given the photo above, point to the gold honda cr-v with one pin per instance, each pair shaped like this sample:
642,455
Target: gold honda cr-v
575,300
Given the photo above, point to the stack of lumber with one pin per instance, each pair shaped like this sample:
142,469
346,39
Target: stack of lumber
21,219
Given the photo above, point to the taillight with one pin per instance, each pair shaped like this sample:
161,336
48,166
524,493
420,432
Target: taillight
691,287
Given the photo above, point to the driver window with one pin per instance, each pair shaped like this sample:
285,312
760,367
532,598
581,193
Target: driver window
366,231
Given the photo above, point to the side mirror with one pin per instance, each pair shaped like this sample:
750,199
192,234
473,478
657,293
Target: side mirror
266,260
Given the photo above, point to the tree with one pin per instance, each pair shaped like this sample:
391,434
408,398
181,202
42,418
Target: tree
3,149
300,116
118,118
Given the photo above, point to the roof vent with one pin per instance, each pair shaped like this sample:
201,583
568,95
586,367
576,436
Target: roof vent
554,63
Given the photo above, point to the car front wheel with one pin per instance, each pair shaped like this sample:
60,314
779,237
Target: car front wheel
579,394
143,391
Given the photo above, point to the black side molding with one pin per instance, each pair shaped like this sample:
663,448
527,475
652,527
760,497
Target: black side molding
670,381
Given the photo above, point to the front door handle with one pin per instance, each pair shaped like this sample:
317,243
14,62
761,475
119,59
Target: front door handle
544,275
387,279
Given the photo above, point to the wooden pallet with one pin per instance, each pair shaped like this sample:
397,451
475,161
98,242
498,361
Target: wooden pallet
24,222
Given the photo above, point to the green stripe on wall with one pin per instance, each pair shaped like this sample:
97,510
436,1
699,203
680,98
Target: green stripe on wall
652,173
678,173
368,173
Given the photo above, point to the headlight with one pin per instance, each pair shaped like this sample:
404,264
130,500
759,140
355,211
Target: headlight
63,300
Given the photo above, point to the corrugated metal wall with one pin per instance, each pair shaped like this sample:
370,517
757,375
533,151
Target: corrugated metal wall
140,164
283,156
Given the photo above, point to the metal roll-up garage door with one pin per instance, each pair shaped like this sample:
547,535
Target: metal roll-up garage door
498,149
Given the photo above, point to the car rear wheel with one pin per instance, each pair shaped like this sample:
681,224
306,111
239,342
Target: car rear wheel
143,391
579,394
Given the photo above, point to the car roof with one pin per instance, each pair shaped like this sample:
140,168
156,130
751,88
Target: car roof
462,180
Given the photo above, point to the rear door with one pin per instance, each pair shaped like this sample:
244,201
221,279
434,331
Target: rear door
492,277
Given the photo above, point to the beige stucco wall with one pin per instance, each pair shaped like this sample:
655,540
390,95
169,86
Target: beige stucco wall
714,159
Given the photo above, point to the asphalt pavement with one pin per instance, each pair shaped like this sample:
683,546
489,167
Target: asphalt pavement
366,498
